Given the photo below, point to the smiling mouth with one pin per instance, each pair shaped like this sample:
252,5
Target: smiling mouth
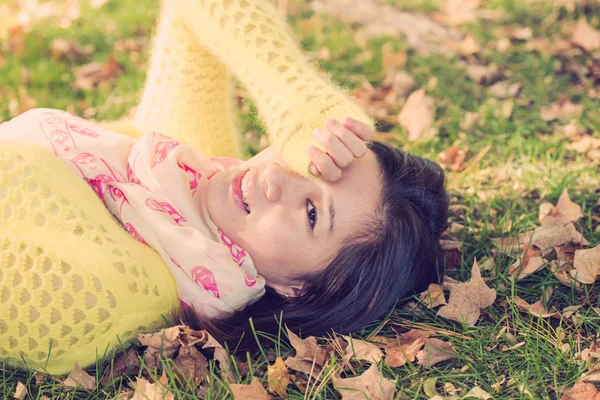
239,191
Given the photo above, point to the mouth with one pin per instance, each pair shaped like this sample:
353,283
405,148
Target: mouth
240,189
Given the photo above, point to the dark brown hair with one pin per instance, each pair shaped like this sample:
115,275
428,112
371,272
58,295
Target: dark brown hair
396,254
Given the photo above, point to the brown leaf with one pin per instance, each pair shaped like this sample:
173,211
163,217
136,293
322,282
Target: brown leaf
513,246
556,230
435,351
371,384
124,364
570,310
469,46
416,116
191,364
20,391
586,265
538,309
221,355
80,378
567,207
70,50
433,296
467,299
484,74
456,12
585,388
361,350
91,75
308,349
279,377
585,36
423,34
253,391
504,90
531,261
303,366
452,158
145,390
478,393
561,110
469,120
591,355
394,60
404,348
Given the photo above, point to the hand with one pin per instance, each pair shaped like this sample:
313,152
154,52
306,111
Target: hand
343,142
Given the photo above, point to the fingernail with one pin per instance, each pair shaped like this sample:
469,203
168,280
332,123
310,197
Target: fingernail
313,170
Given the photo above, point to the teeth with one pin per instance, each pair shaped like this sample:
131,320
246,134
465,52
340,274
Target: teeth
244,188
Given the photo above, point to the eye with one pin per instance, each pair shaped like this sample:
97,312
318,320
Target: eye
311,211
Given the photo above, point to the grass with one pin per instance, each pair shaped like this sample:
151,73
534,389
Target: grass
528,164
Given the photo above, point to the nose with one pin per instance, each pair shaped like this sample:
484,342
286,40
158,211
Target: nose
276,176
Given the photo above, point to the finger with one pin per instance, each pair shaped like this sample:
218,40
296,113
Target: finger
340,154
355,144
327,168
364,131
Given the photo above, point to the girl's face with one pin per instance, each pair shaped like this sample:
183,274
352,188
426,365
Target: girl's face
283,205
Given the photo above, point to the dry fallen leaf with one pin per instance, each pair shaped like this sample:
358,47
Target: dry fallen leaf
433,296
469,46
253,391
484,74
416,116
561,110
591,355
70,50
145,390
190,364
221,355
371,384
308,349
404,347
376,18
91,75
585,36
556,230
435,351
20,391
467,299
452,158
585,388
79,378
586,265
564,205
478,393
279,377
456,12
504,90
538,309
124,364
361,350
531,261
469,120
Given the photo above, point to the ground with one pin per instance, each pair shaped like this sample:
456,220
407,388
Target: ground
526,74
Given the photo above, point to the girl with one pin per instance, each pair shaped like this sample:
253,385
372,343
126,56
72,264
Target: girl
320,229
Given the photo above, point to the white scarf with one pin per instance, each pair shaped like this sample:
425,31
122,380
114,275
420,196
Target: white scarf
156,187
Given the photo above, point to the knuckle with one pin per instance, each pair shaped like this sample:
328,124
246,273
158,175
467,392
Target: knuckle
344,161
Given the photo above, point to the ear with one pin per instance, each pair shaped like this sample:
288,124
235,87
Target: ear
287,290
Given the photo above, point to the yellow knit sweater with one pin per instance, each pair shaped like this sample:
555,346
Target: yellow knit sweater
73,283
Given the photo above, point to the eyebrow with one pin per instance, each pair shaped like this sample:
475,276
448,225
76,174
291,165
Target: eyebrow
331,214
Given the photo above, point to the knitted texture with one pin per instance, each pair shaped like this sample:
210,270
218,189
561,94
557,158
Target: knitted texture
252,40
188,93
73,283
